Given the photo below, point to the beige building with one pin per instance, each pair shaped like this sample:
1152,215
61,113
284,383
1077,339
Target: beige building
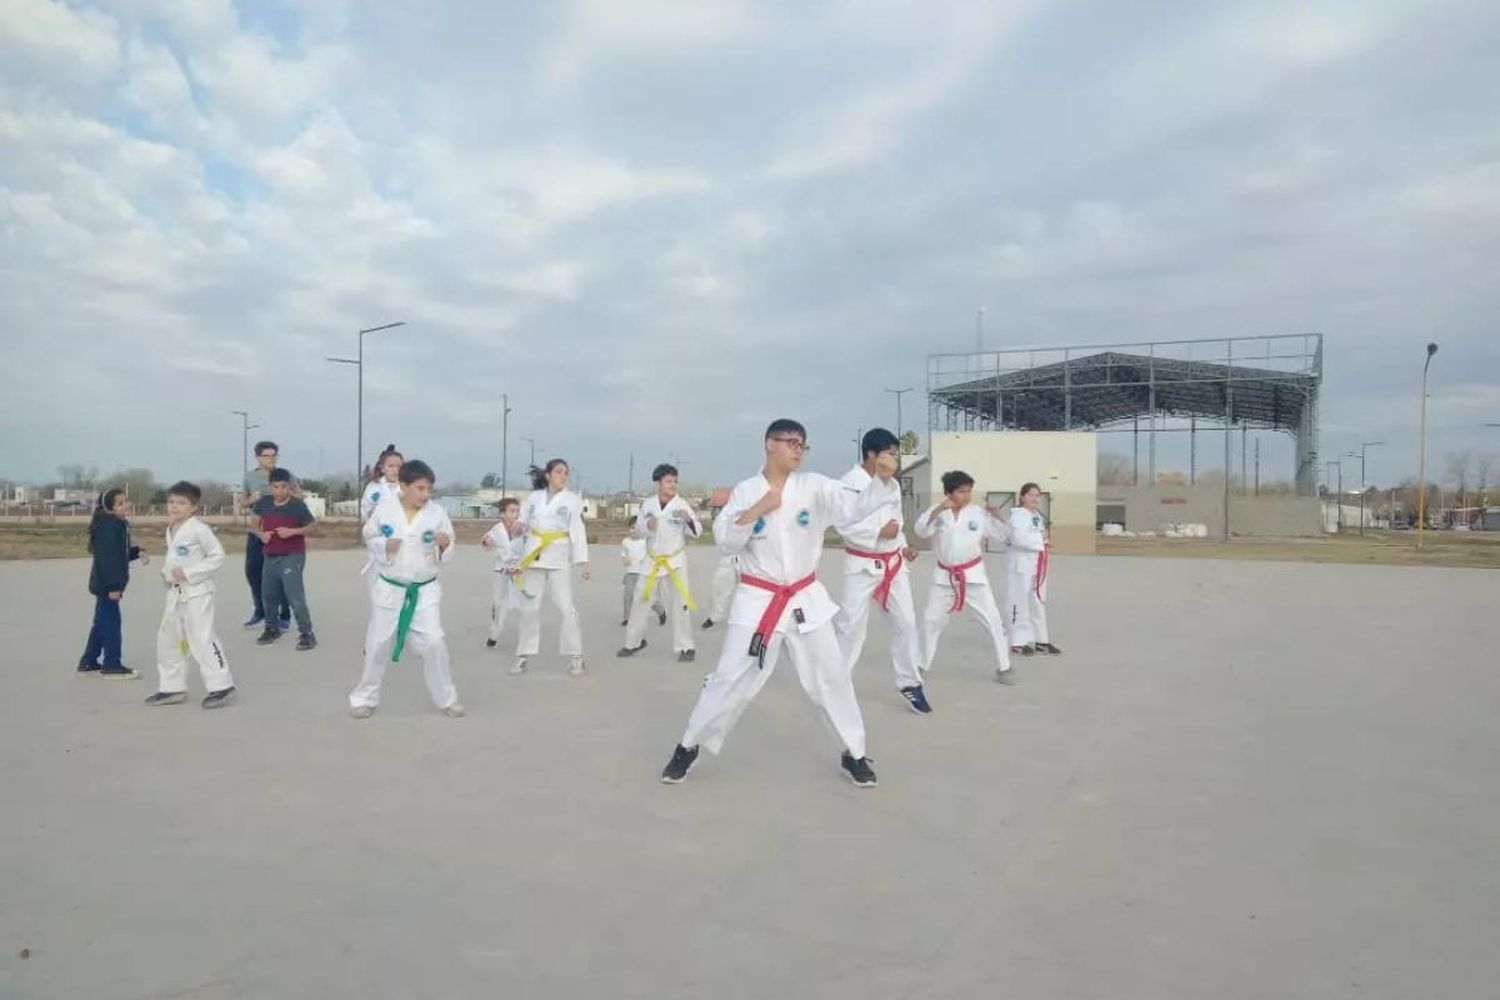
1063,463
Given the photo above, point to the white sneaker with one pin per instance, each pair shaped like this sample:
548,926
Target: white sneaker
576,668
361,712
455,711
519,667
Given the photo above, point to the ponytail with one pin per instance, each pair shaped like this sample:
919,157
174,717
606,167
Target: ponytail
539,476
103,507
377,471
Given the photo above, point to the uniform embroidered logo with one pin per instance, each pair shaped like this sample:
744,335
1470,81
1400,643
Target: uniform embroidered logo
375,496
427,537
1036,522
387,530
182,550
804,517
562,512
760,526
973,525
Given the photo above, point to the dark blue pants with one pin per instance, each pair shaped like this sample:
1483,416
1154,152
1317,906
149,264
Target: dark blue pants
104,636
255,564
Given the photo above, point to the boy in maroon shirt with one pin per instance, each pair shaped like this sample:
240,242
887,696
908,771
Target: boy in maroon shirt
282,526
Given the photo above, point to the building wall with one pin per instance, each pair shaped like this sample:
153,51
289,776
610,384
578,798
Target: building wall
1064,464
1152,508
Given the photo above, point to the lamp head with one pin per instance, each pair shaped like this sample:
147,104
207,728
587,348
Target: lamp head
1431,349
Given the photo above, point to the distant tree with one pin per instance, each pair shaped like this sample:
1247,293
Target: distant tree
490,481
909,443
318,486
139,484
216,495
1484,475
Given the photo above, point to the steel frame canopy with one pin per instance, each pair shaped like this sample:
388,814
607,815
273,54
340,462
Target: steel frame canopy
1270,382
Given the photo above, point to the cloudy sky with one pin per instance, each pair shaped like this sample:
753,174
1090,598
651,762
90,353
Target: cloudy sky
657,224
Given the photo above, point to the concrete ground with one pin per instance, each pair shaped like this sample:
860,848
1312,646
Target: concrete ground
1242,780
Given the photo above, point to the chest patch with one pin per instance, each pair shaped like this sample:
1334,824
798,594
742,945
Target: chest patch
182,550
760,526
804,517
1036,522
973,525
427,537
375,497
387,530
562,512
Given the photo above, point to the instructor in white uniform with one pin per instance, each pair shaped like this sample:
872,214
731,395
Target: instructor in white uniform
776,522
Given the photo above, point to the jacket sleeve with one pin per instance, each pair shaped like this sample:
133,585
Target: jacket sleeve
731,538
846,508
693,526
578,536
213,556
924,528
375,536
446,525
996,529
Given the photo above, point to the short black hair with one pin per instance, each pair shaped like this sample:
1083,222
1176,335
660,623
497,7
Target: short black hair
508,502
877,440
280,475
261,446
662,471
785,425
414,470
956,480
1027,488
186,490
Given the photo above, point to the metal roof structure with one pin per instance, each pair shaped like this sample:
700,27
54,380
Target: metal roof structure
1269,383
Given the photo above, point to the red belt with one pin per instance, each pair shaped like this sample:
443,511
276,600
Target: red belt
1041,570
892,561
781,596
959,577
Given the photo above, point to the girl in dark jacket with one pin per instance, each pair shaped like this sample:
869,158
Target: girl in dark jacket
109,542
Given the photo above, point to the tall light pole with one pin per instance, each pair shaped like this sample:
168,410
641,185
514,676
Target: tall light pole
359,363
1361,456
1331,464
979,331
898,393
1422,450
532,442
504,440
245,428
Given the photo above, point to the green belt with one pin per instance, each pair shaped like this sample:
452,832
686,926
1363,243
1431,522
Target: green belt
408,609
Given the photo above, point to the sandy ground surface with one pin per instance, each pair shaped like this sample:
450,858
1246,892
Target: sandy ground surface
1242,780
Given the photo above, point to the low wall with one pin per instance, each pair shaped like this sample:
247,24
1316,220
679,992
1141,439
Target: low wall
1152,508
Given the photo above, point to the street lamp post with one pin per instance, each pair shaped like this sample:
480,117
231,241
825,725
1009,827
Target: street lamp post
1422,450
359,420
1361,456
1331,464
504,441
532,442
898,393
245,428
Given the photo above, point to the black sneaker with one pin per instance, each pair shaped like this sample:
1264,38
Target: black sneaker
1028,650
687,656
119,673
167,698
624,651
916,699
218,699
255,619
307,641
1006,676
708,623
1047,647
624,622
269,636
858,770
661,618
88,668
677,767
490,643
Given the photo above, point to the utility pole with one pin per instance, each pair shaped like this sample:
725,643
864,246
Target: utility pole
245,428
630,479
504,441
359,420
898,393
1257,466
859,437
532,442
1422,450
979,331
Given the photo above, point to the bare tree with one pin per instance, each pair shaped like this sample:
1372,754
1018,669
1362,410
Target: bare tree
1458,467
1484,474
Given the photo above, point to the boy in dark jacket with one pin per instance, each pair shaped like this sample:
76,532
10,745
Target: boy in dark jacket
109,543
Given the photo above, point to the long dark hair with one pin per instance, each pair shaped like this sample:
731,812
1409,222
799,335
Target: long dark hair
104,507
539,476
376,470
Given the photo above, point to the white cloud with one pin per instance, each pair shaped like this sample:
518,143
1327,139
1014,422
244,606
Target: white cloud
46,43
597,29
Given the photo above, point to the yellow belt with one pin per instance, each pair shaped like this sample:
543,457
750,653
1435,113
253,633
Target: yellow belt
659,563
547,537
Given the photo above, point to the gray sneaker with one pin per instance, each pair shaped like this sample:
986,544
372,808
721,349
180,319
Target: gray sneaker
519,667
167,698
361,712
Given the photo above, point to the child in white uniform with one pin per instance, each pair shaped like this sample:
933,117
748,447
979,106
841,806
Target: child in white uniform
1026,576
958,530
666,520
194,555
505,541
555,543
633,556
408,537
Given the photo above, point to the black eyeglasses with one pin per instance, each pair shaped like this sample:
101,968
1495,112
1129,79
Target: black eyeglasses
796,444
